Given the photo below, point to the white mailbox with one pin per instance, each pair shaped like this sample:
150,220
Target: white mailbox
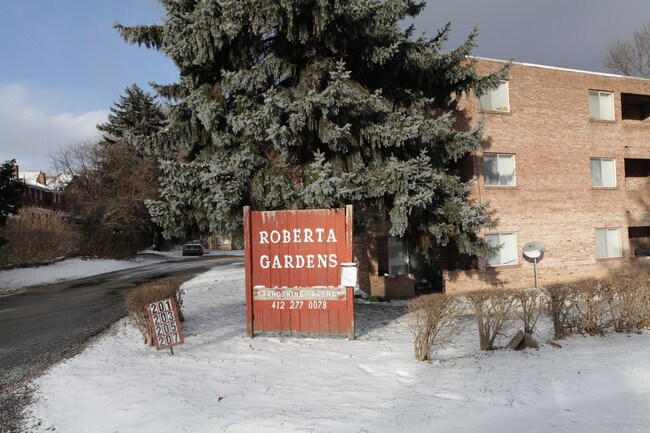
349,274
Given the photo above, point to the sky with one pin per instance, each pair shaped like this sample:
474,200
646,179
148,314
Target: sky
63,65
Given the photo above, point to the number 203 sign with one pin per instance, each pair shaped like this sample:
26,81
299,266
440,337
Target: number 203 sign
165,323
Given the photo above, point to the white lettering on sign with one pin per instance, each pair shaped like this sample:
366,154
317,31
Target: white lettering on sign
297,236
299,305
309,261
297,294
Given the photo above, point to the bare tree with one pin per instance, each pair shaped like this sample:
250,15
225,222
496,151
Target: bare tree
631,58
110,183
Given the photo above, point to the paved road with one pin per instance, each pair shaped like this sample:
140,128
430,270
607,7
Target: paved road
44,324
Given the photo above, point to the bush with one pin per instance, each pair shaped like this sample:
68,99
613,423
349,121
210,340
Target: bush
37,238
493,312
591,306
559,299
530,307
629,305
434,317
573,308
139,298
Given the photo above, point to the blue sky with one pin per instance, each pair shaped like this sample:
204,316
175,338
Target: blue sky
62,65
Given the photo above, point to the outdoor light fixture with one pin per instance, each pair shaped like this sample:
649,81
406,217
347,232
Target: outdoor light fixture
534,252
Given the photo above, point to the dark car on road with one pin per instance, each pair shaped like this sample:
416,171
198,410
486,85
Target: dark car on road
193,249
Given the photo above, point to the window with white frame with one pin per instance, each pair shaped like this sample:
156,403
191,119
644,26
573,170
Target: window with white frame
608,243
507,244
603,172
495,99
601,105
499,169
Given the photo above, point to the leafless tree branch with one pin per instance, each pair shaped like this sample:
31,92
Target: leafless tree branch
631,58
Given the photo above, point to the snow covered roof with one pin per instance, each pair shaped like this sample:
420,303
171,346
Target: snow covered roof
31,177
39,180
557,68
59,182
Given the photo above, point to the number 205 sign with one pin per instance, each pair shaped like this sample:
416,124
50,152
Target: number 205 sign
165,324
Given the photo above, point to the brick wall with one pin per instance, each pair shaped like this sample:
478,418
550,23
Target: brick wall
549,131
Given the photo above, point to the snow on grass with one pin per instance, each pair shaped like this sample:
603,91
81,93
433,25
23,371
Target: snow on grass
67,270
222,381
71,269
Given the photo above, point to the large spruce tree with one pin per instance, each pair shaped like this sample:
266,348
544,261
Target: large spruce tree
312,103
135,113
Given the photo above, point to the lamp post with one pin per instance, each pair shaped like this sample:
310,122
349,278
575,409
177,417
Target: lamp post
534,251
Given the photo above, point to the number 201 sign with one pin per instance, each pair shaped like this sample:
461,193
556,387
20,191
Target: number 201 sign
165,324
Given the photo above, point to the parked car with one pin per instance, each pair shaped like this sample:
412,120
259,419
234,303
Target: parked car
194,248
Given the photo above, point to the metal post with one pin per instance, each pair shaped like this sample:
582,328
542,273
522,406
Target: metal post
535,267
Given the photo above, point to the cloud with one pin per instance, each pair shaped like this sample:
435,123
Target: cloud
30,135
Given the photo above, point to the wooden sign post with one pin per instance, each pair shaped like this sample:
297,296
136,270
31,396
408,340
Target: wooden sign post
293,271
165,324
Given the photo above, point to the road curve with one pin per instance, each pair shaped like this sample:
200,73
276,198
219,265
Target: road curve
44,324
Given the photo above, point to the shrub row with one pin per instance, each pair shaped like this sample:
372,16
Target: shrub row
38,237
140,297
593,306
588,306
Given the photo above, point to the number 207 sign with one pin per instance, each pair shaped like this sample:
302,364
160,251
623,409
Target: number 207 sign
165,324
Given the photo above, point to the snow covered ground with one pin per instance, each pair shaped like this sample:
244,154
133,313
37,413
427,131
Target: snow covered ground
67,270
221,381
83,267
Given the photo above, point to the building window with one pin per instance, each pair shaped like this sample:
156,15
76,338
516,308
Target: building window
398,256
507,243
603,172
499,169
601,105
608,243
635,107
495,99
639,240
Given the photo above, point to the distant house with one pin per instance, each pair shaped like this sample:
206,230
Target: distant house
42,191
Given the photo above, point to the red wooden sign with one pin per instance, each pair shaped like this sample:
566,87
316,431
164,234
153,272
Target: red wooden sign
293,271
165,324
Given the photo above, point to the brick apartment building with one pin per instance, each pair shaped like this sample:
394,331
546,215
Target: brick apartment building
565,161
